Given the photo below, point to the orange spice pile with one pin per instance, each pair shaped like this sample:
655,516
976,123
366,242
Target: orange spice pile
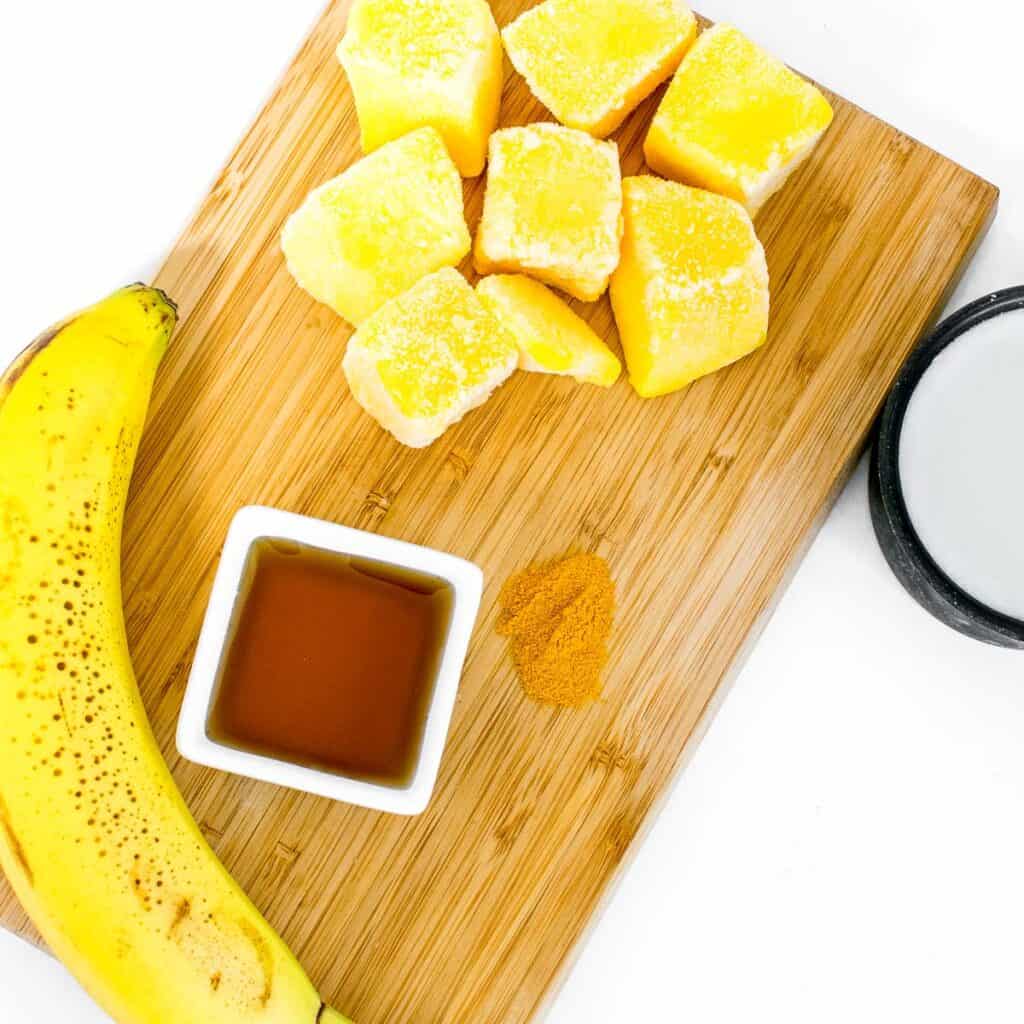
558,616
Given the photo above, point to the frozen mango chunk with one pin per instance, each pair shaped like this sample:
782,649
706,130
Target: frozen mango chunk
735,120
691,292
550,336
427,357
369,234
425,62
552,209
590,62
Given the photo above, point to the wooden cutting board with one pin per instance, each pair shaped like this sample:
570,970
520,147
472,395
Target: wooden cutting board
701,501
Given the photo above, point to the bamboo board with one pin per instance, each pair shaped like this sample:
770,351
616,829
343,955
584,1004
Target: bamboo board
701,502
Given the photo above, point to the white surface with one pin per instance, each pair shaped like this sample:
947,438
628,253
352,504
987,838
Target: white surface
959,456
257,521
847,844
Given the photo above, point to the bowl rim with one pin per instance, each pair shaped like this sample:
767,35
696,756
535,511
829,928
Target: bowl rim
946,600
254,522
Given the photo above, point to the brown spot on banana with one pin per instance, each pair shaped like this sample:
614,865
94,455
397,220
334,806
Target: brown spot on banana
215,980
17,850
142,893
181,911
64,714
265,957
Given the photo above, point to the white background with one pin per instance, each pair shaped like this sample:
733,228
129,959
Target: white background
848,843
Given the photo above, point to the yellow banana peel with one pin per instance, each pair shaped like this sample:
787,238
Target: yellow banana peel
94,836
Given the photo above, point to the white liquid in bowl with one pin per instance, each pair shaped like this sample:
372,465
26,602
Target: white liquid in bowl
961,462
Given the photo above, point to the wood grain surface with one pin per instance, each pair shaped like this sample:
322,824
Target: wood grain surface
700,501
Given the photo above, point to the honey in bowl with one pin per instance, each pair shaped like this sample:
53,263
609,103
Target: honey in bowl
330,661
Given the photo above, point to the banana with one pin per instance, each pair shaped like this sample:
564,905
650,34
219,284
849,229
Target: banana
94,836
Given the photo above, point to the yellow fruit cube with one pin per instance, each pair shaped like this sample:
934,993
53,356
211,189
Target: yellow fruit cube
550,336
369,234
425,62
691,292
735,120
590,62
426,358
552,209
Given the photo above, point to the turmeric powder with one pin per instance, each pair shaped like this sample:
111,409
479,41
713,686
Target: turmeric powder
558,616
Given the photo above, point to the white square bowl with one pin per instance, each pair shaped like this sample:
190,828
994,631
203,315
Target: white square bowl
255,522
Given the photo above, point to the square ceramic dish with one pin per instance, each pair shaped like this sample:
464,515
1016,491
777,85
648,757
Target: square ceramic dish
253,523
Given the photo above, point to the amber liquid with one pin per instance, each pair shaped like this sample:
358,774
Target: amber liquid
331,661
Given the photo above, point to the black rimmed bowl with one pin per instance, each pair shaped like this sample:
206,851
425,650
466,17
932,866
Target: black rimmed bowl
907,556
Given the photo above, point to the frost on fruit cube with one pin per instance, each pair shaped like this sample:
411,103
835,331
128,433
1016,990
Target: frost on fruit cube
427,357
375,230
552,209
735,120
691,292
425,62
590,62
550,336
